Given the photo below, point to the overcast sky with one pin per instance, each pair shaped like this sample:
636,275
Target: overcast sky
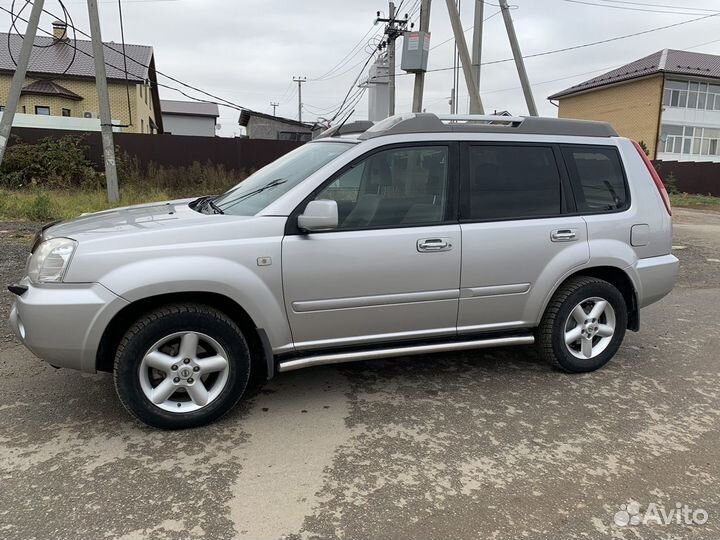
247,51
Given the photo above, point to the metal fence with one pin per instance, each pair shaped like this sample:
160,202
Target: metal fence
691,176
174,150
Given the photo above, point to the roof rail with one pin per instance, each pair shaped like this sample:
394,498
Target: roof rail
359,126
432,123
492,118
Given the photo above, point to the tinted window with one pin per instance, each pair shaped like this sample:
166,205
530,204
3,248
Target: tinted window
398,187
598,180
507,182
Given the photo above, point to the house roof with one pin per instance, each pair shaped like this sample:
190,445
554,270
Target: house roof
52,57
189,108
246,114
49,88
666,61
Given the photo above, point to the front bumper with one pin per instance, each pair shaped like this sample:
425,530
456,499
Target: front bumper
63,323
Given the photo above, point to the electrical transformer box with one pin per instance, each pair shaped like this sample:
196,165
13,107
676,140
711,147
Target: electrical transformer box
416,46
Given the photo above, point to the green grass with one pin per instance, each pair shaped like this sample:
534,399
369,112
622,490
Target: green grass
686,200
48,205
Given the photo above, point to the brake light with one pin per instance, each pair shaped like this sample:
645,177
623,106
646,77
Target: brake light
655,176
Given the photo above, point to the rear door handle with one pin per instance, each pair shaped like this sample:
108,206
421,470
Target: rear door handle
563,235
428,245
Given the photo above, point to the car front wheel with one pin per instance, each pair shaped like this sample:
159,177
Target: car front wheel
181,366
583,326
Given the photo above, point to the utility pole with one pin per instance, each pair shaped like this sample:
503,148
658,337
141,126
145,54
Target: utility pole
274,106
299,81
519,62
391,60
18,80
104,98
420,75
475,102
393,30
477,40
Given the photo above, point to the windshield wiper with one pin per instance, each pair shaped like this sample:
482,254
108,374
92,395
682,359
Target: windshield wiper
269,185
203,203
215,208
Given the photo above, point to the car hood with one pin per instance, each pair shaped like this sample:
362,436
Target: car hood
131,220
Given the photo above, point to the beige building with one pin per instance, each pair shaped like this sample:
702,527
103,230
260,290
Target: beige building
61,81
670,100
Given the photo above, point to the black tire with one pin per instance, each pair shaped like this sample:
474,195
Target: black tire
153,327
550,334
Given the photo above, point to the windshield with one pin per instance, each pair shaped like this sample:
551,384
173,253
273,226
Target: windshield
266,185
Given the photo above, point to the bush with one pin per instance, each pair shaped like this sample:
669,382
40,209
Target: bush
671,184
41,208
49,163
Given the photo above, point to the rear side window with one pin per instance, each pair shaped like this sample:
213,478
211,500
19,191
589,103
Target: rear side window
597,177
512,182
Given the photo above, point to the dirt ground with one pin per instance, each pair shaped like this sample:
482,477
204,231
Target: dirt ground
488,444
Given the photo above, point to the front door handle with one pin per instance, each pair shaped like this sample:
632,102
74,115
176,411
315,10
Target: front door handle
563,235
429,245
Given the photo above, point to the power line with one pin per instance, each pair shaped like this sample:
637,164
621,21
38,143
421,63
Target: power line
599,42
200,100
145,66
630,8
659,5
348,56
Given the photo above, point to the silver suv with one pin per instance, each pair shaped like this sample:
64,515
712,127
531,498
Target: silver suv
420,234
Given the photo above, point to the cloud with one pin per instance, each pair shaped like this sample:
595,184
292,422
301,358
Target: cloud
247,51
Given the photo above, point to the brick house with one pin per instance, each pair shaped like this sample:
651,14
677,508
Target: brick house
61,82
670,100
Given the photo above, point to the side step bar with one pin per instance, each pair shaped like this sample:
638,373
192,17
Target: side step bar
342,357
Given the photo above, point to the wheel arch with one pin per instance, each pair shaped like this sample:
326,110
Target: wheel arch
615,276
260,351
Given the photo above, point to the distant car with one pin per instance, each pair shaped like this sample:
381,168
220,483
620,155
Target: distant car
420,234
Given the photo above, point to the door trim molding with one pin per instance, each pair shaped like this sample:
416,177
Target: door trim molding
495,290
305,306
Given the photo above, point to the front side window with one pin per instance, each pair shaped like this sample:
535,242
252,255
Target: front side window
41,109
598,179
512,182
266,185
392,188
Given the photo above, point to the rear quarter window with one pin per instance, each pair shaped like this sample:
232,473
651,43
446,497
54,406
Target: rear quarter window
597,178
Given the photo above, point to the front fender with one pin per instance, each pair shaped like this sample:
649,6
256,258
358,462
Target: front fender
257,290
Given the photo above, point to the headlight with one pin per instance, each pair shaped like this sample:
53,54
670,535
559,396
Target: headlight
50,260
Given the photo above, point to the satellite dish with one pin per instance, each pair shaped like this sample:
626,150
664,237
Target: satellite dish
218,127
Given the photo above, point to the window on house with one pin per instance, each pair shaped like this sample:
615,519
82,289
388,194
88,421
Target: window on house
2,108
42,109
142,126
690,140
66,112
141,90
691,95
512,182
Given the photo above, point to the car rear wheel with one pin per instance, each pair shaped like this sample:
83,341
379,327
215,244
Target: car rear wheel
181,366
583,326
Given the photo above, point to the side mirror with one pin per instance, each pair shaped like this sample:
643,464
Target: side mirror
319,215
